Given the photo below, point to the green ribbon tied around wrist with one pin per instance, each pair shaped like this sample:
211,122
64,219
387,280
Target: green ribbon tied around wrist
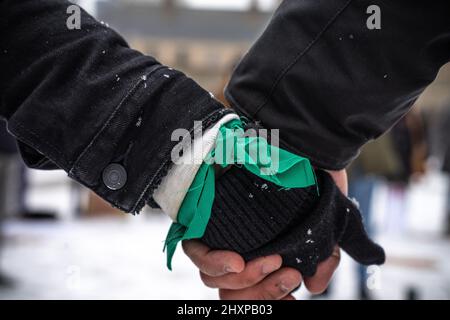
234,147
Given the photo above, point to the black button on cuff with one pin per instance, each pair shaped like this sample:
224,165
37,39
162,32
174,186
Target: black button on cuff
114,176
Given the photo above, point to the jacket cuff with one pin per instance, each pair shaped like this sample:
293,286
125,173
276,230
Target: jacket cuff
130,154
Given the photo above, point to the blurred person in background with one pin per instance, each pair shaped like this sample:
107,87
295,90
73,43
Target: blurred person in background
395,158
76,100
9,191
15,182
438,124
444,135
13,187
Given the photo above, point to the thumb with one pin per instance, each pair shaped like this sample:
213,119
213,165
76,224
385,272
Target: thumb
355,240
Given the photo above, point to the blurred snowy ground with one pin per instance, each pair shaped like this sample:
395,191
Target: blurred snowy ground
121,258
107,258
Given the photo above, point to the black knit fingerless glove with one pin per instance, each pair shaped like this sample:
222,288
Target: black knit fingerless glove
257,218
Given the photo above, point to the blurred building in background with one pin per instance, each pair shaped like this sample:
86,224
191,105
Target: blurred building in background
202,43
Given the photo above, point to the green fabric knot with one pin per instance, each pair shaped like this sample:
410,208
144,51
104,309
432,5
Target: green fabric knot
234,147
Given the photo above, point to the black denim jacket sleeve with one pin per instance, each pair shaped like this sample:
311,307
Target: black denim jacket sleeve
331,84
81,100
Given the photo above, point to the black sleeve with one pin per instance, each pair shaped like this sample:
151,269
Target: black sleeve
81,100
331,84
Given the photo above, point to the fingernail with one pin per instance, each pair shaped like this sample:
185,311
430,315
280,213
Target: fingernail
268,268
284,288
228,269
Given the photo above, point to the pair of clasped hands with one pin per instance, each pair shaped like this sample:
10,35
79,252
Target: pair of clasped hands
262,278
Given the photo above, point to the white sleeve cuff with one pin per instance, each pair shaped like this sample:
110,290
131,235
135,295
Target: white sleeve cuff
173,188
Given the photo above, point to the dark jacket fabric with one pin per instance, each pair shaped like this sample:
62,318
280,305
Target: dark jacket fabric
81,100
331,84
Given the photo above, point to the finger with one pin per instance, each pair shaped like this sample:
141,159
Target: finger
276,286
319,282
254,272
341,180
213,262
289,297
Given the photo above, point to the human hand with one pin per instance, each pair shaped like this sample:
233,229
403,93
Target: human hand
259,279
